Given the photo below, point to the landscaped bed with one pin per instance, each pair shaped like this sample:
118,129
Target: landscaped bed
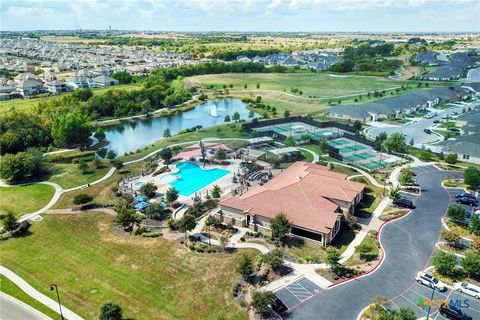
150,278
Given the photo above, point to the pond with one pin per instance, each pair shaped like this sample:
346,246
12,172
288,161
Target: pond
141,133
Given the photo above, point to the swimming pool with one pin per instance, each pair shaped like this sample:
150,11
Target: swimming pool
190,177
139,183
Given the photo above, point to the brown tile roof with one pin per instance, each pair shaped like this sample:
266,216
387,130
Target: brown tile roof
304,192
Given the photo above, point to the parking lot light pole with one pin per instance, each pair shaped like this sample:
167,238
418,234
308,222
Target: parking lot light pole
54,287
430,304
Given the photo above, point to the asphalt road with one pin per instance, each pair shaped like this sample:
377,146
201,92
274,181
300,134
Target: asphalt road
415,130
408,243
13,309
473,75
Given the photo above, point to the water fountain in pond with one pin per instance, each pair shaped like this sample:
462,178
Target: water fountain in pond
213,110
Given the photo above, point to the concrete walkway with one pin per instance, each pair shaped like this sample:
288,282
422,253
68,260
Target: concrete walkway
28,289
316,157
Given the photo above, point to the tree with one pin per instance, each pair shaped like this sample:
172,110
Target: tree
333,258
117,163
186,223
475,224
357,125
262,300
148,189
155,211
166,155
280,226
111,155
274,259
123,77
406,177
245,86
227,118
286,114
236,116
471,263
394,194
444,262
99,134
452,237
82,198
166,133
71,129
111,311
221,155
405,313
456,212
290,141
251,114
223,241
382,136
23,165
171,195
475,243
395,143
258,85
451,158
411,143
366,251
83,167
125,214
10,222
245,267
83,94
471,176
216,192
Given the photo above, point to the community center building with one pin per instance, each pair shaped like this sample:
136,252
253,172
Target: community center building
313,198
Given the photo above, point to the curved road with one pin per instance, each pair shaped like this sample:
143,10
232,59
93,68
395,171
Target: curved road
408,244
11,308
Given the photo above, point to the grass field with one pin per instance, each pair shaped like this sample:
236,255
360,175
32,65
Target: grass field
10,288
25,199
312,84
68,175
149,278
24,104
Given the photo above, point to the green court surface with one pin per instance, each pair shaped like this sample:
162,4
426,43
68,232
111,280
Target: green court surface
375,165
359,157
352,148
338,142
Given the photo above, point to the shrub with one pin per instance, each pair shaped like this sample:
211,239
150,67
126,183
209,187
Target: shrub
456,212
82,198
445,263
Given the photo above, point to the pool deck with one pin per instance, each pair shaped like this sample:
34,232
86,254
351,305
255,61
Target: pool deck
225,182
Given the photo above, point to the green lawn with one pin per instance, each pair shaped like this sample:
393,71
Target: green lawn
25,199
67,175
10,288
23,104
312,84
149,278
371,198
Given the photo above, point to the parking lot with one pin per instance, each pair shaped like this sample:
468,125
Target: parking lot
296,292
455,191
415,296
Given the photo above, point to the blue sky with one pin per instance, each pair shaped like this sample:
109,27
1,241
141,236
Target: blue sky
243,15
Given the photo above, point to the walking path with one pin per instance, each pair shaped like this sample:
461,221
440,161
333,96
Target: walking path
316,157
28,289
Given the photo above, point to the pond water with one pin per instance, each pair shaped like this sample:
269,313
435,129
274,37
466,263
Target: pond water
132,136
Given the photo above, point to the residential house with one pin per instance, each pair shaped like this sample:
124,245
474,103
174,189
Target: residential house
57,86
105,81
29,87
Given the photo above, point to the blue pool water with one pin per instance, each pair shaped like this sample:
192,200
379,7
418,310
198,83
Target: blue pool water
191,177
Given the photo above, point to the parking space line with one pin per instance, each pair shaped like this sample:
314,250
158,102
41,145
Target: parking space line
296,295
395,304
413,303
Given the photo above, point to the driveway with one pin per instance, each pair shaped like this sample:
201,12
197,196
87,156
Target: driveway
473,75
408,245
415,130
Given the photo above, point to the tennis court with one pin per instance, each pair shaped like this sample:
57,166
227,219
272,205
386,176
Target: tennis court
359,157
375,165
338,142
352,148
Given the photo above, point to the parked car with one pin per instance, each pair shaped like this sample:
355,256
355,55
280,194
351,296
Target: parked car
454,113
404,202
430,281
427,131
468,201
454,313
467,288
464,195
453,129
278,306
436,121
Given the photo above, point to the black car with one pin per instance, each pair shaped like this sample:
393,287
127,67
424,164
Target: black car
467,201
403,202
278,306
427,131
464,195
436,121
454,313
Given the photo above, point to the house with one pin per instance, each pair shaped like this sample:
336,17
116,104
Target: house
57,86
29,87
312,197
430,58
24,76
80,82
105,81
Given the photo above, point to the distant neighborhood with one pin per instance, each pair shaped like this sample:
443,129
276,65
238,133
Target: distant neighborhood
448,69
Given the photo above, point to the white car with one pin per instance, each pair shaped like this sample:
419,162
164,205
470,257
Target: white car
467,288
430,281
